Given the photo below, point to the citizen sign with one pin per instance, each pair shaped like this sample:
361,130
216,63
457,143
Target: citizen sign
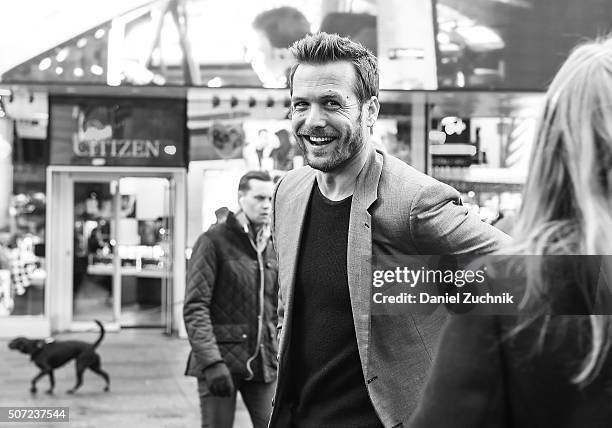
119,148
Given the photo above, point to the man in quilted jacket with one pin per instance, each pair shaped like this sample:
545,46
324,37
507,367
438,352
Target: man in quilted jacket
230,309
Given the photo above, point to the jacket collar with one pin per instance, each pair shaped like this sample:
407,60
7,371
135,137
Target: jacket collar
359,250
366,186
240,222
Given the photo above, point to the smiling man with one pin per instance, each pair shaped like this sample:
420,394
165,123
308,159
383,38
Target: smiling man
339,365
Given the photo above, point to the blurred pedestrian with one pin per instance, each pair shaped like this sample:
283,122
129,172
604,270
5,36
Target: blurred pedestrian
230,309
553,369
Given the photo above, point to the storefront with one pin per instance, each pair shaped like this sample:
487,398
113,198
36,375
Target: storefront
110,245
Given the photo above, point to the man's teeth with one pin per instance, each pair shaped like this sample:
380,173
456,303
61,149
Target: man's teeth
320,139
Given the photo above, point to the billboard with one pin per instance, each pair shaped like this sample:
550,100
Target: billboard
512,44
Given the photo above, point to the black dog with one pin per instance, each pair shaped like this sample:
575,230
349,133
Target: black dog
49,355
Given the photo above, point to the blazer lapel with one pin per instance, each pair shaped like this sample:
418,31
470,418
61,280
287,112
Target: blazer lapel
291,234
359,252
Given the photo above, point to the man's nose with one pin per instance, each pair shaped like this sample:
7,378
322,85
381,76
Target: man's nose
315,117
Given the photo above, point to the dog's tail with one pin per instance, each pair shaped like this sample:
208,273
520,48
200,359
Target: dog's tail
102,331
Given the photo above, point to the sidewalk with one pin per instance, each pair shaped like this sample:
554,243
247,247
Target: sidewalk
148,388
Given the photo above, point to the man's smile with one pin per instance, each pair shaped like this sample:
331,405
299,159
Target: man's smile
318,140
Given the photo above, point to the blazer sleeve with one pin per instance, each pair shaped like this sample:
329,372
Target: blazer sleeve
201,274
440,224
465,388
280,309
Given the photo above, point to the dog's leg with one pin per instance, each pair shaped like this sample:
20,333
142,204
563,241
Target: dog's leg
36,378
80,368
51,382
96,369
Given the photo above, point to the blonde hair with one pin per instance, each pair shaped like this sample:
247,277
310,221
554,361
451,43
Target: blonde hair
567,202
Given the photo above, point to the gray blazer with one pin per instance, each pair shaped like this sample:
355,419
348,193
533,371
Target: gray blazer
395,210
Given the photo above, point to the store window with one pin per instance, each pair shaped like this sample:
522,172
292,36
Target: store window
22,221
486,160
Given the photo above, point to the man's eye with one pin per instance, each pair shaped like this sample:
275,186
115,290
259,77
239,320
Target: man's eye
332,104
299,106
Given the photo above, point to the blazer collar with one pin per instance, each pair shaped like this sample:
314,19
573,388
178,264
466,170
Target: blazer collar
366,187
359,251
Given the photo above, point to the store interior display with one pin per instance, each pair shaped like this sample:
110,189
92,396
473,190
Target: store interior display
110,224
485,159
22,275
22,252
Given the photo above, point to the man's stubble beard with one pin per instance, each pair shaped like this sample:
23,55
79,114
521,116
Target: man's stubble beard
342,153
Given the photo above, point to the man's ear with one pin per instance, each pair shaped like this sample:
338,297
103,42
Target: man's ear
372,110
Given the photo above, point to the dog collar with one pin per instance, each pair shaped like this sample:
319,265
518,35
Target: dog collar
39,347
40,344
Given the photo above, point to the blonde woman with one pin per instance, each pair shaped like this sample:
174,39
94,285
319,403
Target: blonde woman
550,370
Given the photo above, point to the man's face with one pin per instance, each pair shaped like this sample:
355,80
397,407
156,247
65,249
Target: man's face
265,59
326,114
256,202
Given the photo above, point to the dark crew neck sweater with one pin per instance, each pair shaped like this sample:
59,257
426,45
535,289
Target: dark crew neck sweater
327,384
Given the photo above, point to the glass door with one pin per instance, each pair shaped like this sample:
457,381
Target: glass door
94,280
144,247
122,270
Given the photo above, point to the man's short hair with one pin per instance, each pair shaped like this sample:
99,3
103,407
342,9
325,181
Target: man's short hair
323,48
245,185
283,26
